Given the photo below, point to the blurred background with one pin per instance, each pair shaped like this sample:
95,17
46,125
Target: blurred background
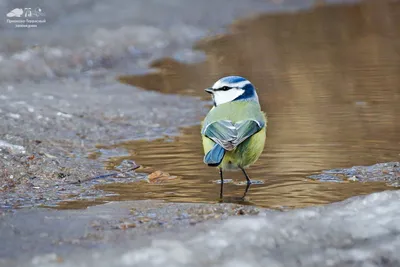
82,35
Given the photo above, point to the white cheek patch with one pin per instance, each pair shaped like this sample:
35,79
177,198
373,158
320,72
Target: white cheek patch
221,97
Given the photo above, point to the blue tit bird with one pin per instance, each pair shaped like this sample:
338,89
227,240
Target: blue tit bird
234,130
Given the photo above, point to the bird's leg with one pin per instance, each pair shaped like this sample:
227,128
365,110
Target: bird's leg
222,184
247,177
245,191
248,183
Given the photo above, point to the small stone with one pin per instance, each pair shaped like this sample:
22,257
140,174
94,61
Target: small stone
124,226
353,178
241,212
64,115
159,177
144,219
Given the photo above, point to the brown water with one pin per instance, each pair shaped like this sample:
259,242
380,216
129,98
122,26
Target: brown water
329,80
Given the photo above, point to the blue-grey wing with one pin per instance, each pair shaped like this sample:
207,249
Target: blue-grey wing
247,128
228,134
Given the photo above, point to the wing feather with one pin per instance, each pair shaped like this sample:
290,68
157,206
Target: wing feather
229,135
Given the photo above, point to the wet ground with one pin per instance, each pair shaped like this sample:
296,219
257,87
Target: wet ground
62,127
100,227
331,93
362,231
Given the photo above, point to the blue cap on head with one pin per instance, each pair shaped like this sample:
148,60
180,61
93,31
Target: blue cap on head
232,79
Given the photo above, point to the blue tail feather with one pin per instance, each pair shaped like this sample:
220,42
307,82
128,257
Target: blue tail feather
214,156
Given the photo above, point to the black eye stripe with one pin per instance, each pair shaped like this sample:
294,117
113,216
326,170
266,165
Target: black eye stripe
224,88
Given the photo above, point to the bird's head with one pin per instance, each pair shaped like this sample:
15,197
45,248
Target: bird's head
232,88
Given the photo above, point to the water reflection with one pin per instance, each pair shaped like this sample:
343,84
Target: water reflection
283,186
329,81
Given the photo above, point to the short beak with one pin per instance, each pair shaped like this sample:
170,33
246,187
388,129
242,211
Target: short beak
209,90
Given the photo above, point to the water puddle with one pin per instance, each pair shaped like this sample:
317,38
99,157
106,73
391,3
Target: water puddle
329,81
